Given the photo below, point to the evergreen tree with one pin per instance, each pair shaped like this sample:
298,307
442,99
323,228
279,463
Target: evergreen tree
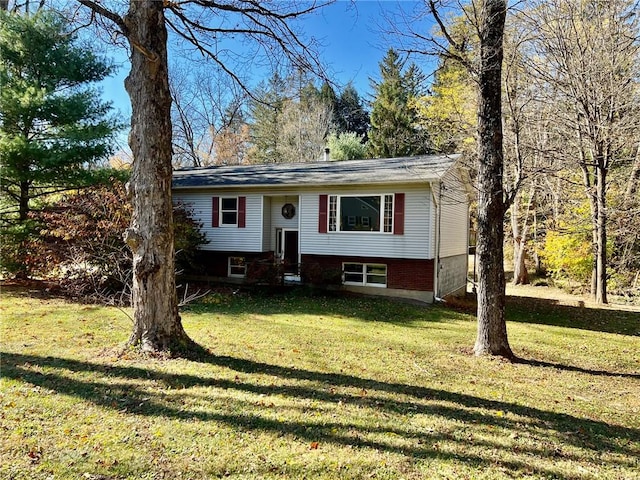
52,124
346,146
266,113
328,95
305,91
394,131
351,114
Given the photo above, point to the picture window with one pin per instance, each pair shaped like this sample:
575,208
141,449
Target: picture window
361,213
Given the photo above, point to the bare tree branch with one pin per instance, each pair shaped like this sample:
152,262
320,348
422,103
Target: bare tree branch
106,13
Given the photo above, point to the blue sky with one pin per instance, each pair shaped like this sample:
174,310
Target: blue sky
353,44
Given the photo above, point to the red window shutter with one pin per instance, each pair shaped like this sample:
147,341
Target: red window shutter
215,212
242,212
322,217
398,214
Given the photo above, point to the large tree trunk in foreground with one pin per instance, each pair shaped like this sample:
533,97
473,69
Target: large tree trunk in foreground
492,330
157,324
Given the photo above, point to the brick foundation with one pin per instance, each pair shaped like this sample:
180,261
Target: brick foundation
216,264
402,273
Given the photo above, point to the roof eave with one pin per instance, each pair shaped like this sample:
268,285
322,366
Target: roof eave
307,185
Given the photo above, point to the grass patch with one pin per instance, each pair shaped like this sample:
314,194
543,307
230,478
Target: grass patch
317,387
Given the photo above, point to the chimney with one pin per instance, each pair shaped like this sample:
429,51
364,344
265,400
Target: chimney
326,154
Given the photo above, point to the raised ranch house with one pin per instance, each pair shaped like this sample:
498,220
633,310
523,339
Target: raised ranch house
397,227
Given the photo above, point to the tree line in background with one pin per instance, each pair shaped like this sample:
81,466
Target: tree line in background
568,173
292,118
571,118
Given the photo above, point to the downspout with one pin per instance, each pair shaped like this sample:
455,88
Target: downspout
436,266
299,238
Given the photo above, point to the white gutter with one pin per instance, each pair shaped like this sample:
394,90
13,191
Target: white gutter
335,183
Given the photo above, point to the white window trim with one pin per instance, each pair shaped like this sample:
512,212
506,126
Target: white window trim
364,275
279,251
236,275
220,213
360,232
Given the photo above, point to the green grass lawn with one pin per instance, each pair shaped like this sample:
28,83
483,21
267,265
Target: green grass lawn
318,387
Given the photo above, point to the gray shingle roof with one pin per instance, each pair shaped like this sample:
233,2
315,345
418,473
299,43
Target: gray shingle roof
423,168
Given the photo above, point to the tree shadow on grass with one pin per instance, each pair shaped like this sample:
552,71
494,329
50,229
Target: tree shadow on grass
123,387
573,368
302,301
552,312
546,311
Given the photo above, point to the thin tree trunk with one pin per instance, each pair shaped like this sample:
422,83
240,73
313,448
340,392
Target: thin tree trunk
492,330
23,209
601,245
634,179
520,233
593,204
157,324
520,272
22,272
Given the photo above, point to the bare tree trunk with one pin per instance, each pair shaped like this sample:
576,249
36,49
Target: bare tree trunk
515,112
601,234
520,271
593,204
157,324
634,179
492,330
594,244
520,233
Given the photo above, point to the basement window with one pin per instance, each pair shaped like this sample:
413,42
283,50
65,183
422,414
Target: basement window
364,274
237,267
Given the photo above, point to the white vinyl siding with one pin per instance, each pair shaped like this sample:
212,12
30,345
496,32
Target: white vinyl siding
454,226
416,242
248,239
277,220
266,224
263,210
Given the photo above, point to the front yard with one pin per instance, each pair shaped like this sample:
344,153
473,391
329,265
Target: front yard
318,387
